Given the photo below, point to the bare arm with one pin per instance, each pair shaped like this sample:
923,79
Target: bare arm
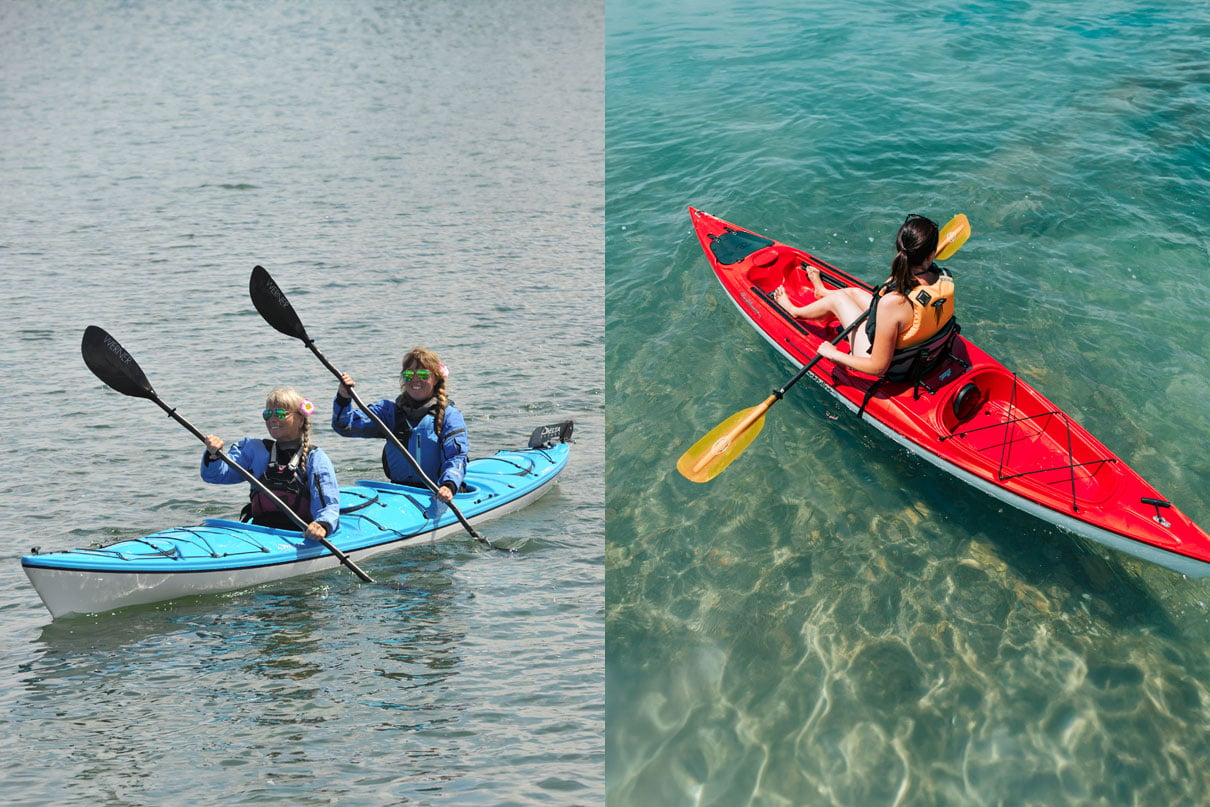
893,312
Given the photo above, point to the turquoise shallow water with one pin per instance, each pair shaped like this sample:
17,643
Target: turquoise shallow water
831,621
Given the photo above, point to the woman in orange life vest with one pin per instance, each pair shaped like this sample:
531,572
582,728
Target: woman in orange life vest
912,306
298,473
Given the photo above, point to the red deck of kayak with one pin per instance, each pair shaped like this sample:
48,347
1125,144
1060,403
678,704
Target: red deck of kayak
1016,445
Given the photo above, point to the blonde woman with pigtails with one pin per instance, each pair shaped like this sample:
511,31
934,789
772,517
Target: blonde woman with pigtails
422,417
298,472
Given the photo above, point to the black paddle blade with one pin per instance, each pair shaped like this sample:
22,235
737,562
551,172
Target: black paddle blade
110,362
273,305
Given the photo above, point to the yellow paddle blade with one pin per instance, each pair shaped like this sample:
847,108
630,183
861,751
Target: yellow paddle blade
708,457
953,235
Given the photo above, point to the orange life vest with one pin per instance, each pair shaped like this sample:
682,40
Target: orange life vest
932,308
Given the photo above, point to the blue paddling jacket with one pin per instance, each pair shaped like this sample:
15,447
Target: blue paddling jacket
443,460
251,453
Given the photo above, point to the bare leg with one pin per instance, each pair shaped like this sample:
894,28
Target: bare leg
845,304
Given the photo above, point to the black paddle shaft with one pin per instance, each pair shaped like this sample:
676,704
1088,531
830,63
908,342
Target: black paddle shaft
807,367
110,362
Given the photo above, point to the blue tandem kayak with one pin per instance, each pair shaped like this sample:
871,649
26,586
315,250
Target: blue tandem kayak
221,555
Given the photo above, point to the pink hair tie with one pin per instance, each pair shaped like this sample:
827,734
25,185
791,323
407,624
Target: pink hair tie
445,371
306,408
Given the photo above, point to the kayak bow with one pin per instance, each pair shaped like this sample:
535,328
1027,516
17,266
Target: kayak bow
969,416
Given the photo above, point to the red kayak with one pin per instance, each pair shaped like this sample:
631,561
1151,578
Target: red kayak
967,414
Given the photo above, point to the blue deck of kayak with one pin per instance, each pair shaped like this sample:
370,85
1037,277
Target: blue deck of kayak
373,513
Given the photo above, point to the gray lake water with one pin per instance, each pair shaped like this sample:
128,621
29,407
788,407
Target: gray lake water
410,173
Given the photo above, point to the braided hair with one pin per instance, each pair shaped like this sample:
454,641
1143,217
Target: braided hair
293,401
428,360
915,242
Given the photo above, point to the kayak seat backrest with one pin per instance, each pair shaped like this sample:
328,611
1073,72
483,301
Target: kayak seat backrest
914,363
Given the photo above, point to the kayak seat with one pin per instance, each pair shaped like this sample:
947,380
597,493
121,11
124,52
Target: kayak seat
914,364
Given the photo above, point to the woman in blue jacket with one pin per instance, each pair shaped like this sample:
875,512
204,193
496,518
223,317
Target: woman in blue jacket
300,474
422,417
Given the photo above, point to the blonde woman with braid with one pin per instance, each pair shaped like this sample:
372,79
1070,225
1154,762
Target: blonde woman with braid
298,473
422,417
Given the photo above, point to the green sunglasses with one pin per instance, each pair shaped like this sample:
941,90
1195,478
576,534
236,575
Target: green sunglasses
280,414
408,375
